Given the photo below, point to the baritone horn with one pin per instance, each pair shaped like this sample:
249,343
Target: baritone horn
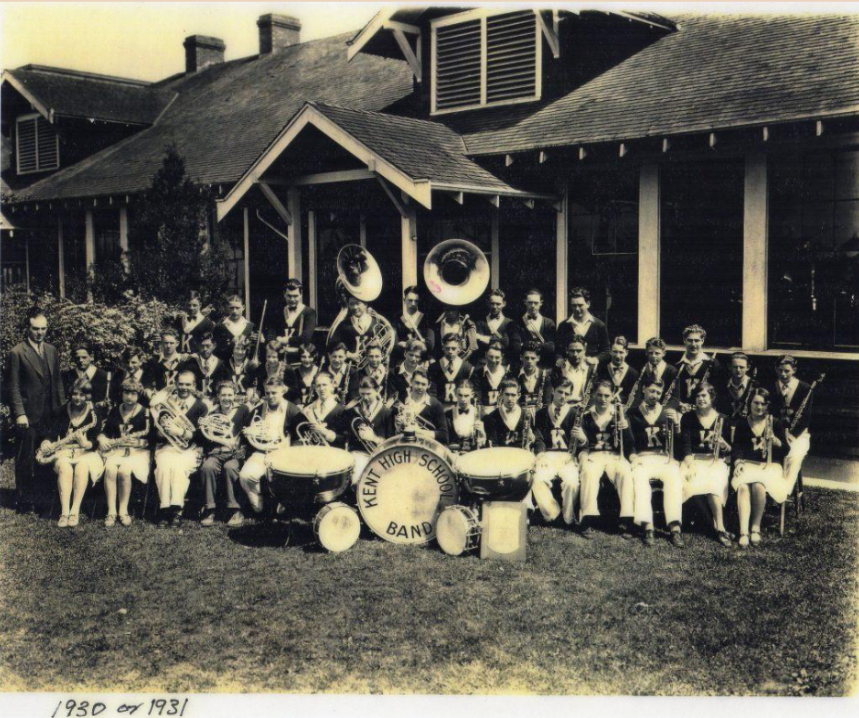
456,272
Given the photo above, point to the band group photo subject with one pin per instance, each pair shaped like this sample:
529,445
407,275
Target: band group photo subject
221,394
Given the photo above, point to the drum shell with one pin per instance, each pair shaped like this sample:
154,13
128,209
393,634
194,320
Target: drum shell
471,535
291,485
507,484
320,517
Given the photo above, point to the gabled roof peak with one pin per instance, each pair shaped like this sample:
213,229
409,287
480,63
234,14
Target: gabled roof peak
82,74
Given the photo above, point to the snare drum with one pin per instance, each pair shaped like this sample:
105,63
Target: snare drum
458,530
499,474
308,474
337,527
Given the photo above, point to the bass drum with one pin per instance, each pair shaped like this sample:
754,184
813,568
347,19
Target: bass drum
404,487
308,474
458,530
337,527
499,474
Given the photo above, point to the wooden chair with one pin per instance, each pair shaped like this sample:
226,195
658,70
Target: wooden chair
798,499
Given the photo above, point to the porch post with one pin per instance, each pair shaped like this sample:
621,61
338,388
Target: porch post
246,222
27,259
89,241
293,205
409,245
61,258
648,253
312,283
495,260
755,221
561,257
362,231
123,236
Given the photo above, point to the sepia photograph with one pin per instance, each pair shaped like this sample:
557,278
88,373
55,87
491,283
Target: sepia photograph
427,350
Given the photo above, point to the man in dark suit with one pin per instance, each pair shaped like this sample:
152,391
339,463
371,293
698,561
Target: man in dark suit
537,328
36,393
497,327
585,325
84,368
299,323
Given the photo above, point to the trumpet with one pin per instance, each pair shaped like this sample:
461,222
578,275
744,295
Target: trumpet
359,423
309,436
48,451
172,424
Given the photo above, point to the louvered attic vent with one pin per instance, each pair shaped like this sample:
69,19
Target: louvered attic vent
37,146
489,60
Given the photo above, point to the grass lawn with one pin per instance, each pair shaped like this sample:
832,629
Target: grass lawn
148,609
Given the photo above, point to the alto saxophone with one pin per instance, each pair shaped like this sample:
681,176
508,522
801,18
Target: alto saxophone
48,451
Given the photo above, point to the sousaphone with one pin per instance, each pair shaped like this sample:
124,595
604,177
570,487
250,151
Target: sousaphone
456,272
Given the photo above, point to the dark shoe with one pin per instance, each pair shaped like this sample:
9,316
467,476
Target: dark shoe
587,532
649,537
23,506
677,540
208,518
724,538
624,530
163,519
176,518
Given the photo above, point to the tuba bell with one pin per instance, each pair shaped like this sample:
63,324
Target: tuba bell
456,272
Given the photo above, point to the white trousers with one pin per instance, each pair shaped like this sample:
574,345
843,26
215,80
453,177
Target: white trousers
645,468
173,468
793,461
361,461
552,465
771,477
250,477
703,477
618,471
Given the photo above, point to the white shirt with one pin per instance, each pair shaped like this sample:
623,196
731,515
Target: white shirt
577,376
463,424
533,324
237,327
292,316
362,323
510,418
494,377
692,367
450,370
88,373
558,415
791,389
38,348
493,324
581,328
618,373
191,322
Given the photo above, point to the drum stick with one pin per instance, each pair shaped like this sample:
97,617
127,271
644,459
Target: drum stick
259,332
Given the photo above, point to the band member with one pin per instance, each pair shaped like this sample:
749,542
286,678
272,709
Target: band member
208,369
412,325
341,372
448,371
537,328
581,323
326,417
757,455
400,378
177,456
790,394
164,367
420,410
510,425
132,368
241,371
275,367
575,370
84,368
224,454
231,327
535,382
704,445
36,394
124,444
279,417
656,368
695,368
299,322
193,324
607,441
361,328
738,390
375,369
655,430
489,378
465,428
622,376
370,423
556,458
497,328
75,459
462,327
304,375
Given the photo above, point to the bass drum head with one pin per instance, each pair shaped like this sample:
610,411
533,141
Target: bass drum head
404,487
497,474
458,530
337,527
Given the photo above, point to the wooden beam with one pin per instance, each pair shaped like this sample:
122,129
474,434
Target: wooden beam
293,201
123,238
508,160
562,272
550,33
401,208
529,203
61,258
755,239
766,134
312,261
494,200
323,178
246,232
712,141
402,27
275,202
623,150
409,246
362,230
408,53
666,144
582,153
543,156
649,225
818,128
495,252
458,197
89,239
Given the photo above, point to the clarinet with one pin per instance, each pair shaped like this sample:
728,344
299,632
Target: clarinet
670,391
634,390
717,438
801,410
744,412
542,391
618,432
526,430
580,416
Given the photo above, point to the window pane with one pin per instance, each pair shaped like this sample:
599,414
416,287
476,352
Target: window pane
702,250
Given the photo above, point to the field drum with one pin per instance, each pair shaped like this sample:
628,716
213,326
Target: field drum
458,530
308,474
337,527
498,474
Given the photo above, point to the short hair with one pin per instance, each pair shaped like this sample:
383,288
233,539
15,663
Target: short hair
495,344
465,383
564,384
240,341
651,380
187,373
368,382
761,392
577,340
339,346
498,293
225,384
131,351
275,382
740,355
194,294
308,348
580,292
374,345
787,359
621,341
321,374
533,347
695,329
273,346
415,345
235,298
412,289
604,383
82,344
131,385
450,337
655,343
705,387
508,383
420,372
169,333
35,313
536,291
208,336
292,285
83,386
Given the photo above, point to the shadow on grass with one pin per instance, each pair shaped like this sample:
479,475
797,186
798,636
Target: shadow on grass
280,534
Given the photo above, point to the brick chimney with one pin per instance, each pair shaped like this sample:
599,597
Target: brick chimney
277,32
202,52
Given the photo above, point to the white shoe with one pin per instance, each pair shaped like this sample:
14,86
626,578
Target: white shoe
73,520
63,522
110,521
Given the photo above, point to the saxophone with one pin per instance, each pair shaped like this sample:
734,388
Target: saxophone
48,451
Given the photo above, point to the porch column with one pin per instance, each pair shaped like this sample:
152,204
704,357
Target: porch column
246,222
362,231
755,218
648,253
312,283
26,259
293,205
494,270
562,268
89,240
409,245
123,236
61,259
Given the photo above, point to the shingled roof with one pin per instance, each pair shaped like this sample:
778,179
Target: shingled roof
226,116
715,72
89,96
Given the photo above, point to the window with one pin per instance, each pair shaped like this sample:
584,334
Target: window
814,251
38,146
490,59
